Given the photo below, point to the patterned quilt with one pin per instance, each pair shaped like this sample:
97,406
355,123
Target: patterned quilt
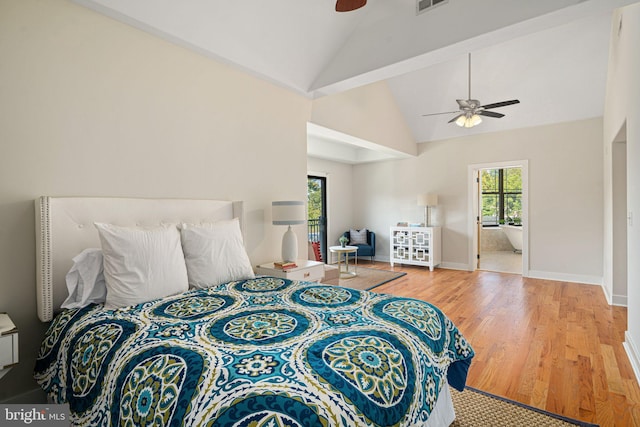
261,352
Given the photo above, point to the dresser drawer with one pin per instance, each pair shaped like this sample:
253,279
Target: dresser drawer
8,350
311,274
307,270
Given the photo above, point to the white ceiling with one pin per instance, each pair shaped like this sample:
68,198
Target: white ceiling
550,54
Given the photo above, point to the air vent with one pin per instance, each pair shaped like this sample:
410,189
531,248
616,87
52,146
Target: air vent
426,5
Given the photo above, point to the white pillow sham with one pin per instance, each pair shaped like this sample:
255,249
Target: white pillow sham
141,265
85,280
214,253
358,237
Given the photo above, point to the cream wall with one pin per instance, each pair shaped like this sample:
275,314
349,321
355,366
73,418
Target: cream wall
565,195
90,106
368,112
622,112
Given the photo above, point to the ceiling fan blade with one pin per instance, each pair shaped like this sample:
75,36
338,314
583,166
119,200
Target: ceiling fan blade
490,114
349,5
500,104
456,118
437,114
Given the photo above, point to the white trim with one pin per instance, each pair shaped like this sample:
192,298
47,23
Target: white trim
329,134
473,203
566,277
454,266
634,355
607,293
619,300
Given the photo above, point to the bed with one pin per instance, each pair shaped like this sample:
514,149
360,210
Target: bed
250,351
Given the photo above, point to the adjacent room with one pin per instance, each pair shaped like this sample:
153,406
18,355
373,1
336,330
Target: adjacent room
480,157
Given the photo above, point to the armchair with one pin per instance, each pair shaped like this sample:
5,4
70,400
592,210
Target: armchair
364,249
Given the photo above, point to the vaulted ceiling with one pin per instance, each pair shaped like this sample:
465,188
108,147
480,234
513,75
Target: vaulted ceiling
550,54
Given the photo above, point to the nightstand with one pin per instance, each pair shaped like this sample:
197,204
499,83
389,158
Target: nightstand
310,271
8,344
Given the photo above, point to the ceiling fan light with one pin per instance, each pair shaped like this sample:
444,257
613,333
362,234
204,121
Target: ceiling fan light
474,121
469,120
461,121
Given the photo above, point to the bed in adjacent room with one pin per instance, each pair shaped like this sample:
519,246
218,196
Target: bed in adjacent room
164,323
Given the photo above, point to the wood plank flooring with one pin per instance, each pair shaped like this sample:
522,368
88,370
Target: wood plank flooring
553,345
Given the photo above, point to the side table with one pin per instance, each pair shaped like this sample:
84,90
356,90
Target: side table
8,344
344,251
307,270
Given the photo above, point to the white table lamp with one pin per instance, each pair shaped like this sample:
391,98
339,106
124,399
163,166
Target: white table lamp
427,200
288,212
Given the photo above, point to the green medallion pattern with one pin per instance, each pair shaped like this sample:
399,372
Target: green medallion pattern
264,352
260,326
370,364
418,314
150,392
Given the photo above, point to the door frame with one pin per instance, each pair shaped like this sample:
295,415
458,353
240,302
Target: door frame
325,207
474,203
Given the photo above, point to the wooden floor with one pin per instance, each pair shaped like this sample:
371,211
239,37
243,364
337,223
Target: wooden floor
553,345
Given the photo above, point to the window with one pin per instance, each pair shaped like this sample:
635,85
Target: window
501,196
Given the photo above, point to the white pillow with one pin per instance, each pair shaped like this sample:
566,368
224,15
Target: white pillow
141,264
85,280
215,254
358,237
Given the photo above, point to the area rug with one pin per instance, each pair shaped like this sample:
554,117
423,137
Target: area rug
476,408
367,278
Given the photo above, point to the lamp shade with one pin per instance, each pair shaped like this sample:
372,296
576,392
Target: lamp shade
287,212
430,199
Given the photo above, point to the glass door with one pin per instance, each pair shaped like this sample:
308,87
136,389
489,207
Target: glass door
317,213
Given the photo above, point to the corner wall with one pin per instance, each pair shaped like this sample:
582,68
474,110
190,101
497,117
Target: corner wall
622,111
565,195
369,112
92,107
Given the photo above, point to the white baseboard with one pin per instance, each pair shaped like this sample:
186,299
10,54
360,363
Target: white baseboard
564,277
607,293
620,300
634,356
454,266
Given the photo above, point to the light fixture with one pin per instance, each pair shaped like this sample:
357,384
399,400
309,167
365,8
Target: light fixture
288,212
427,200
469,120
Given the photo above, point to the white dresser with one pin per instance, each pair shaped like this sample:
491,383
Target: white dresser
415,245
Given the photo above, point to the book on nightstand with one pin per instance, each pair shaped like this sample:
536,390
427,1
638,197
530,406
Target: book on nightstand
284,265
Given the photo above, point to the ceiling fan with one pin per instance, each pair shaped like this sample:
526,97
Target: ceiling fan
349,5
471,109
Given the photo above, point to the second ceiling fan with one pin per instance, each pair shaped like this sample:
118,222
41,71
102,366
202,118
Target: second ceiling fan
471,109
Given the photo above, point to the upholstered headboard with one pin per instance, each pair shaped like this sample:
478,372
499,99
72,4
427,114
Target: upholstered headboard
64,227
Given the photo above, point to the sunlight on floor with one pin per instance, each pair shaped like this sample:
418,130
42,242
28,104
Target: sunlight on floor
502,261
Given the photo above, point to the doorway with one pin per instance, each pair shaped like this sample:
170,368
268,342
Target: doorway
317,213
620,219
500,229
498,217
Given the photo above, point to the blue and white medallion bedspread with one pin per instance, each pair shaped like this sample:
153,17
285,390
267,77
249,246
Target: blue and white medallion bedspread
262,352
